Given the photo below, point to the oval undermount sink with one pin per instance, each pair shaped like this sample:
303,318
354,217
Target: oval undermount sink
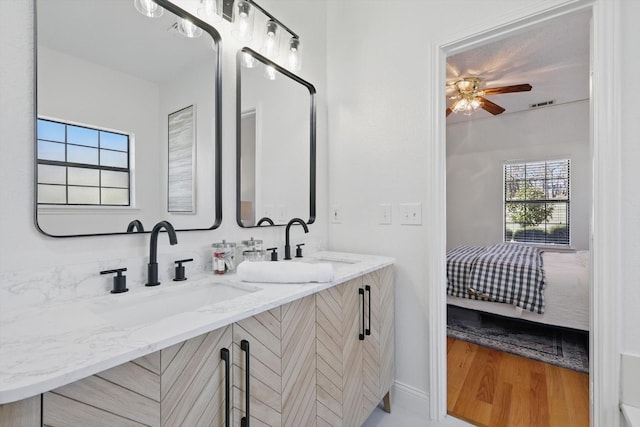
129,310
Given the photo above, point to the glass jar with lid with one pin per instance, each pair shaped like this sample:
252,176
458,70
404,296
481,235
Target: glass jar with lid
223,255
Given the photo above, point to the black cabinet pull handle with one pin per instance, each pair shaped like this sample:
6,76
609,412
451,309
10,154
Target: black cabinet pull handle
244,345
361,292
368,330
224,355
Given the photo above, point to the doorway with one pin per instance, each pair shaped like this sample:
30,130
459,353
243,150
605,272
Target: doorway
604,348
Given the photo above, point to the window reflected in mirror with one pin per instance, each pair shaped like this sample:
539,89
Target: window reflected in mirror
109,79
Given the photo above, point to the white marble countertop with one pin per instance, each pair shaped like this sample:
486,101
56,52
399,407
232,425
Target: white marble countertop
50,346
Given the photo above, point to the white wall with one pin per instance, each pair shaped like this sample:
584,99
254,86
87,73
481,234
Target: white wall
477,150
22,247
379,66
630,175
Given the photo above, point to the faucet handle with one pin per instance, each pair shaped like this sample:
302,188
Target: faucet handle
274,253
299,250
179,276
119,280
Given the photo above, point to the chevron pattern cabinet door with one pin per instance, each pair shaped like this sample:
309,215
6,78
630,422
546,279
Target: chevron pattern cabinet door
23,413
386,325
352,380
329,355
127,395
263,333
371,346
298,329
193,380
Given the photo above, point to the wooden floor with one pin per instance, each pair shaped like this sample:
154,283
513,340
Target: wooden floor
491,388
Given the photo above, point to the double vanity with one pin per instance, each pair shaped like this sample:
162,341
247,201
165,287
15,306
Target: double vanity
212,350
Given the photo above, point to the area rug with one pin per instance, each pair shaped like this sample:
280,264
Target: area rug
557,346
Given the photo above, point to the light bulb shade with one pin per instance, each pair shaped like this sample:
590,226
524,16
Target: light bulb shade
188,29
294,55
148,8
209,10
248,61
269,72
243,15
271,41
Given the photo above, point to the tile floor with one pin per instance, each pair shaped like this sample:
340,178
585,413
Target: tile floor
403,417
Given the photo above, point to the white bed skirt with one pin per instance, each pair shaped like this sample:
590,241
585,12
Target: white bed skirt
566,293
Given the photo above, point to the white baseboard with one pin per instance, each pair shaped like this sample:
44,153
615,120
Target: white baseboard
410,398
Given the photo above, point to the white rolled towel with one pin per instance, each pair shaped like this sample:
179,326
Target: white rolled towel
284,272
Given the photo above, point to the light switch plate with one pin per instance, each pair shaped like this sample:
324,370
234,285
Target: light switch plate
384,214
411,213
336,215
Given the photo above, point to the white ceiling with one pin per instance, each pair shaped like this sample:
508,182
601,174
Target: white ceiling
112,33
552,57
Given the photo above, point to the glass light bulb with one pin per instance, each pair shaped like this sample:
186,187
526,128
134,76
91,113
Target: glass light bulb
148,8
271,43
209,10
269,72
294,60
242,21
248,61
188,29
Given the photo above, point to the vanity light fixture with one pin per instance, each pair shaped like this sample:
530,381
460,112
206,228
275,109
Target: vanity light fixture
242,21
248,61
271,44
209,10
243,17
294,56
188,29
269,72
148,8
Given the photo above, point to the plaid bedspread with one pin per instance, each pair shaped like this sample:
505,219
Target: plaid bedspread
506,273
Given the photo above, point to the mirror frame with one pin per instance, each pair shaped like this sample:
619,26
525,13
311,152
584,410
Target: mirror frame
217,134
312,136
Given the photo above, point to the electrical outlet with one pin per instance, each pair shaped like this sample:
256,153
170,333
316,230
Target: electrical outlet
336,215
411,213
384,214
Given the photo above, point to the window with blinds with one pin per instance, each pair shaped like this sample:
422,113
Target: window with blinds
536,202
79,165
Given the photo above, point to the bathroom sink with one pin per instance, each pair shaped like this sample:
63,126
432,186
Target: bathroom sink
128,310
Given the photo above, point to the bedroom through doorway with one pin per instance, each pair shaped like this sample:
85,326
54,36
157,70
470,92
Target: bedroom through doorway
518,180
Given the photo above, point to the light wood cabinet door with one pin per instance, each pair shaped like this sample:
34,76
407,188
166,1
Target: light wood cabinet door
127,395
23,413
193,381
280,347
355,348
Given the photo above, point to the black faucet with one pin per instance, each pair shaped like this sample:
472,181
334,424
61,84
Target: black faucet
135,225
152,268
265,219
287,246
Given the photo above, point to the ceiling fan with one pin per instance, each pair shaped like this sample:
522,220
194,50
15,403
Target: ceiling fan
469,97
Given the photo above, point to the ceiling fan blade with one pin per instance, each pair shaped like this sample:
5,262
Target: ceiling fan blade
507,89
452,106
489,106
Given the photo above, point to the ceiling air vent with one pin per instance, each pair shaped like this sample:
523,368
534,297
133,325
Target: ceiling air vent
542,104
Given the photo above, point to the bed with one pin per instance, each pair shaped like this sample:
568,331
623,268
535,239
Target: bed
563,284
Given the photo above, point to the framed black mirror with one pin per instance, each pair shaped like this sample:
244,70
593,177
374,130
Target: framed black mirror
276,143
128,119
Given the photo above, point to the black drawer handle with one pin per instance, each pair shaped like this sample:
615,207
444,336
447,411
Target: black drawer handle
224,355
361,292
367,331
244,345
